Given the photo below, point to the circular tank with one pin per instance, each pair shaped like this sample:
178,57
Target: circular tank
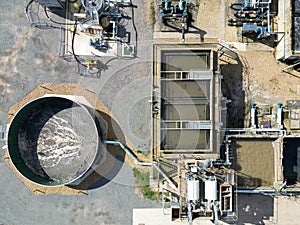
54,140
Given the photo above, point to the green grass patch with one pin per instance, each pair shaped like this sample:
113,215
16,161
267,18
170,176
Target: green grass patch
142,180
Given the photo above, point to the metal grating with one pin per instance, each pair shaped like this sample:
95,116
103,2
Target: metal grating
296,6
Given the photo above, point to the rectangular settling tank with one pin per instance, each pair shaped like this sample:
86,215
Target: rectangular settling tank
184,80
254,162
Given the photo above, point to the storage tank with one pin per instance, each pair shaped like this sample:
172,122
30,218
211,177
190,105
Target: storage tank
55,140
192,189
210,190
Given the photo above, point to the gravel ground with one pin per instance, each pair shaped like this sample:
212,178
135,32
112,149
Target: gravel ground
110,204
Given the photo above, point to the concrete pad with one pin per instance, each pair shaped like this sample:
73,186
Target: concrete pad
288,210
157,217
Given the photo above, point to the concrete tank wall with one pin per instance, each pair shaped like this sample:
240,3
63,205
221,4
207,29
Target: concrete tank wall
55,140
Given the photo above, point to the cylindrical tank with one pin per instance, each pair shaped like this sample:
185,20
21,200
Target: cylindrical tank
192,189
55,140
210,190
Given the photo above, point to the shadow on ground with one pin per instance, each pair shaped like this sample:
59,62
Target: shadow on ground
254,208
232,88
113,160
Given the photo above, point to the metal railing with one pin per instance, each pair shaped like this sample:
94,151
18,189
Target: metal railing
186,75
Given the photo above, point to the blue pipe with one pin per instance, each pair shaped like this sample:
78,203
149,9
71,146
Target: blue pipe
166,5
267,192
181,5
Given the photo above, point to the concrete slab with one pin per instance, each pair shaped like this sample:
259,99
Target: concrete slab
157,217
288,210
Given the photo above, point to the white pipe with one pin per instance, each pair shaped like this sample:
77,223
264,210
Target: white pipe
137,162
268,17
285,68
279,115
190,213
216,215
114,28
253,112
266,192
253,130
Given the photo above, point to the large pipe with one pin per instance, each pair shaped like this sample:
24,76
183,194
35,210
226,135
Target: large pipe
190,213
216,220
137,162
279,115
181,5
167,5
253,116
266,192
268,18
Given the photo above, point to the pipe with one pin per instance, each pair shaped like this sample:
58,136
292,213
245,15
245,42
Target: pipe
114,28
182,31
254,130
181,6
137,162
126,150
266,192
253,119
268,18
279,114
167,5
216,221
190,213
291,66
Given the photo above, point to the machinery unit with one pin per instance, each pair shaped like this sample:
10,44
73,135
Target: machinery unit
203,183
175,14
253,17
90,29
101,22
266,116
